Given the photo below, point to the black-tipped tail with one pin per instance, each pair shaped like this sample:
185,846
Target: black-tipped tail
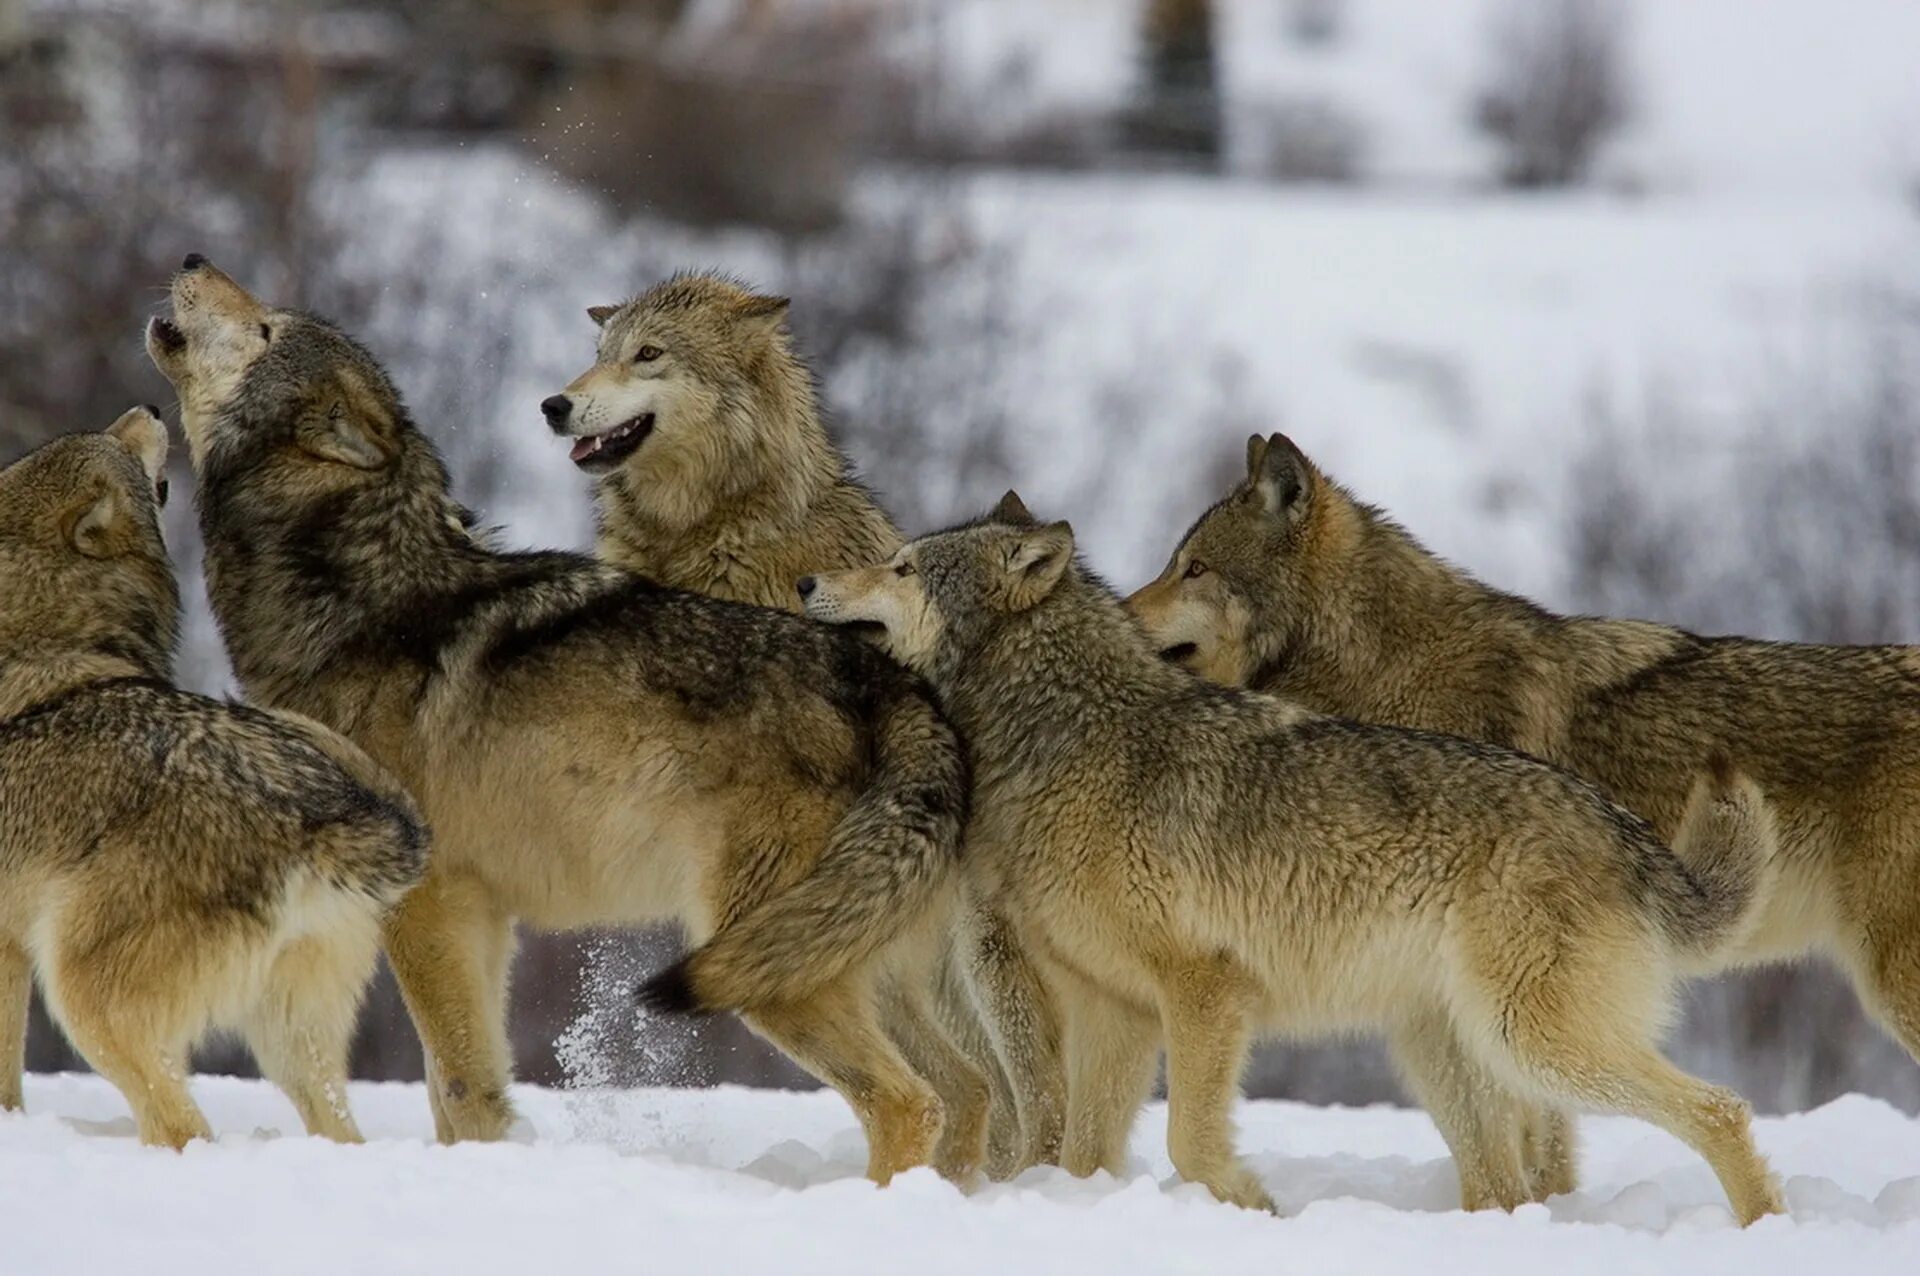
890,858
670,992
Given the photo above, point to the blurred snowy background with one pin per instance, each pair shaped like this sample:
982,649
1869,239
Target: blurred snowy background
1616,303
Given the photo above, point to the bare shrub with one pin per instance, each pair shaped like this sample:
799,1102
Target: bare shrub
1302,139
909,318
101,193
1807,528
1557,89
1177,111
787,97
1315,23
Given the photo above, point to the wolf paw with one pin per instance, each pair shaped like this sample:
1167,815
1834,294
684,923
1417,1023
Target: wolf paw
1239,1187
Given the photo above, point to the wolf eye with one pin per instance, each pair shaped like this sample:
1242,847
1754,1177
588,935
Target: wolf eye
1195,570
266,334
647,354
906,569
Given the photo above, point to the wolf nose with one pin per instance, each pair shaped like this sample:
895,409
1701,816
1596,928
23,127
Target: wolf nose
805,585
555,409
193,260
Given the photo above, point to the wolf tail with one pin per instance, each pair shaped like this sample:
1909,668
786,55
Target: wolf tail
369,836
375,846
892,854
1728,840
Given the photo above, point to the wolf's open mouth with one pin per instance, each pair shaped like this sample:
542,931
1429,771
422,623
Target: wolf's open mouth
1179,651
603,451
167,335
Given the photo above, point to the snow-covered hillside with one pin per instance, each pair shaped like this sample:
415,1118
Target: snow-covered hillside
735,1181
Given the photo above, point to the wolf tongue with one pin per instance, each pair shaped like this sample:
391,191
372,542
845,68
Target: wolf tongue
584,448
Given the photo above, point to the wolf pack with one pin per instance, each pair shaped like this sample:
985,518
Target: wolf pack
968,836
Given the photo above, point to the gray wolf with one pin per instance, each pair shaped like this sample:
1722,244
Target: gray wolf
1290,584
168,863
716,474
1224,862
590,746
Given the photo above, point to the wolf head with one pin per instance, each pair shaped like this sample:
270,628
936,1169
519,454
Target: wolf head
284,404
81,555
1236,591
693,392
256,381
943,596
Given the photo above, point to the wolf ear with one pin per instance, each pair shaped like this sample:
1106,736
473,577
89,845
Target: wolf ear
762,313
139,430
1013,511
1282,476
94,527
338,435
600,314
1035,562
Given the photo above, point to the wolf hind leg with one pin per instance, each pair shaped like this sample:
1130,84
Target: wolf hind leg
1024,1025
451,947
16,996
835,1034
1551,1152
136,1031
153,1079
1885,960
957,1014
962,1088
301,1027
1580,1034
1710,1119
1481,1119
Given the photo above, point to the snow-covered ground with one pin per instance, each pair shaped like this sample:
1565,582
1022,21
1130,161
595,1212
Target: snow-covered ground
736,1181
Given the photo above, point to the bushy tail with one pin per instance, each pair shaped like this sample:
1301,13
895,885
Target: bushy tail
1728,840
375,841
890,856
377,848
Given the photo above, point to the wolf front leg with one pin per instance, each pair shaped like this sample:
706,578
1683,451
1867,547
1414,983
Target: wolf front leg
1203,1006
1112,1050
450,944
1023,1024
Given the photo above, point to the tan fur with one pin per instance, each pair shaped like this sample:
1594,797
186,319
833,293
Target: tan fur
737,492
593,748
1224,863
168,863
1326,601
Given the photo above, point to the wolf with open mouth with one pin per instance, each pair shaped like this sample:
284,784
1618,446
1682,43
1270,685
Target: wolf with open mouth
715,471
590,747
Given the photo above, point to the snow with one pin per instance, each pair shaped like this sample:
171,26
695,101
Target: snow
1752,95
1435,341
1433,353
741,1181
